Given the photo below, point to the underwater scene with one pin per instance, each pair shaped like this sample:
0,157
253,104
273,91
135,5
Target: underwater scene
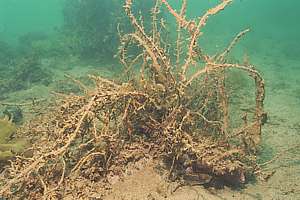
150,99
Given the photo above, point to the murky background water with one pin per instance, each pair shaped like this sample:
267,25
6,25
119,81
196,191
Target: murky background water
40,41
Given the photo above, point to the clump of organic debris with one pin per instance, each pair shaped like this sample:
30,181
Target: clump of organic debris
175,109
23,74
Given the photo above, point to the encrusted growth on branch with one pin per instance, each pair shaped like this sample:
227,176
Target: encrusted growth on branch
160,113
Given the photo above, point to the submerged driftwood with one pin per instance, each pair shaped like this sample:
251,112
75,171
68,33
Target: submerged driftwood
175,109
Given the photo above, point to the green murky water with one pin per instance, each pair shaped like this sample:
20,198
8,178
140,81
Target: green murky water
40,41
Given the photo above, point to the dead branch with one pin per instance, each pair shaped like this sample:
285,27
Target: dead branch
159,113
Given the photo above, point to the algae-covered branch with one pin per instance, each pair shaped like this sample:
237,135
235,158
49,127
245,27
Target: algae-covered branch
172,109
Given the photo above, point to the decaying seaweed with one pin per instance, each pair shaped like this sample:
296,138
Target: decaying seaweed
174,109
